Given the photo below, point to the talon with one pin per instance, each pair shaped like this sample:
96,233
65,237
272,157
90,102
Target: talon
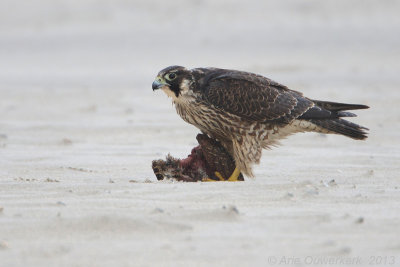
209,180
219,176
235,175
233,178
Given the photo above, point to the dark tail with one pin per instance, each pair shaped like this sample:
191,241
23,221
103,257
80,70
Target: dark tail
333,106
343,127
328,116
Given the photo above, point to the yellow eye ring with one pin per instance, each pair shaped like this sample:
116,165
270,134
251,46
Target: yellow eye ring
171,76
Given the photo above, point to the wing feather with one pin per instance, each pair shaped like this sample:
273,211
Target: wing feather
253,97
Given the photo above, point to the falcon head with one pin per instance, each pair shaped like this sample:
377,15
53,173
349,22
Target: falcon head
173,80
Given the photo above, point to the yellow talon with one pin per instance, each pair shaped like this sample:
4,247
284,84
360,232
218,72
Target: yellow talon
235,175
209,180
233,178
219,176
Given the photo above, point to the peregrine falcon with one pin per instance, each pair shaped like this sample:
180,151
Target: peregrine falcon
247,112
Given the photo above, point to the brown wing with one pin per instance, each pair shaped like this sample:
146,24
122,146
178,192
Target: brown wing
253,97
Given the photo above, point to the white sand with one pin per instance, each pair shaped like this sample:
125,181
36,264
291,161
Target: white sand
80,125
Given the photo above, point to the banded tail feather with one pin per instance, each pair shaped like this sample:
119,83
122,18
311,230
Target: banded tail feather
344,127
328,116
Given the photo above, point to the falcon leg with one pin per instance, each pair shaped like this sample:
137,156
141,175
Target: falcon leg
233,178
235,175
219,176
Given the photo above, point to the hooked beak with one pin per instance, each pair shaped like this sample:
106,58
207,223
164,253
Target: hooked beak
158,83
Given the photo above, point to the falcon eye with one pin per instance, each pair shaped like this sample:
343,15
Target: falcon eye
171,76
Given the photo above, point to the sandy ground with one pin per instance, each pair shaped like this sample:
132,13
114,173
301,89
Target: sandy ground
80,125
